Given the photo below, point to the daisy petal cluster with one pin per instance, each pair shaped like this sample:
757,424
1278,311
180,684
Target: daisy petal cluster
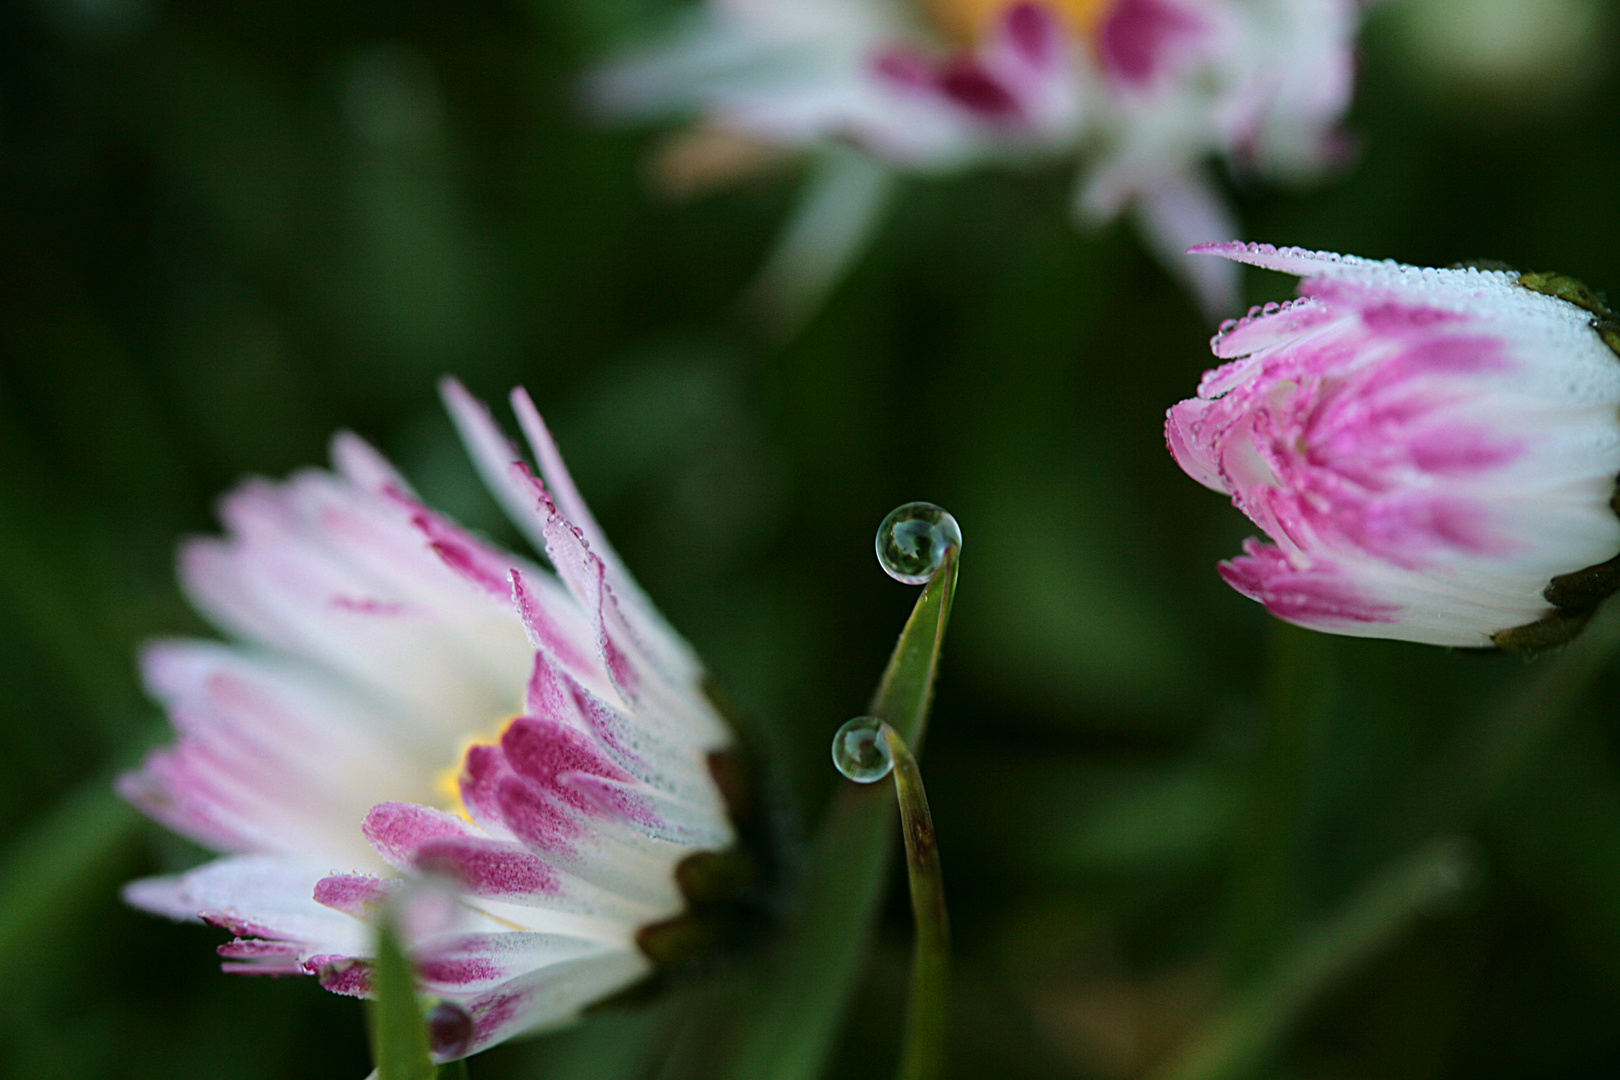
1433,453
517,758
1143,91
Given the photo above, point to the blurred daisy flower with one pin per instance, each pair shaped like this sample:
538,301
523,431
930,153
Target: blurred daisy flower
405,703
1433,453
1143,92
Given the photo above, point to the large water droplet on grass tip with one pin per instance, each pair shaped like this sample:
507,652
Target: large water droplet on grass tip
450,1029
914,540
860,751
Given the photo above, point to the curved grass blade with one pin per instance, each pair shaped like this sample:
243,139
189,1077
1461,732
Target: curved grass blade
791,1034
928,1014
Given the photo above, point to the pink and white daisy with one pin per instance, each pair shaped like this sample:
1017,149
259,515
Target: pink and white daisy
402,701
1433,453
1143,92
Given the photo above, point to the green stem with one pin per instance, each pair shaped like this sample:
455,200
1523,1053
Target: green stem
790,1034
1266,900
928,1017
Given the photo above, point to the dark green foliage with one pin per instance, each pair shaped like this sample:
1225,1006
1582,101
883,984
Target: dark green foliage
229,229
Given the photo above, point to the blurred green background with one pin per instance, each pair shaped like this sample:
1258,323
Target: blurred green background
1180,840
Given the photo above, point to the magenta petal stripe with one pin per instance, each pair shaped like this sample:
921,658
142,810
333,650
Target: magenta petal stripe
1426,449
513,759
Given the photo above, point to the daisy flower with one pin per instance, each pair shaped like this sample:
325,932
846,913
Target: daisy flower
1433,453
1141,93
404,709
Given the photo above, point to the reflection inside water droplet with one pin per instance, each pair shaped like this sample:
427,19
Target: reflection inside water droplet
914,540
860,751
450,1030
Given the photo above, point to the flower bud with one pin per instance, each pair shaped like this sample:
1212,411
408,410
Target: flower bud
1433,453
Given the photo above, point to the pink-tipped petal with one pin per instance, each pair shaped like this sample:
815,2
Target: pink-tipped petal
398,829
550,995
1408,438
382,641
1141,40
477,962
359,895
488,868
254,896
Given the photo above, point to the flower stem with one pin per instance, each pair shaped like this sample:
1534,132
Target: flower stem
928,1018
1266,901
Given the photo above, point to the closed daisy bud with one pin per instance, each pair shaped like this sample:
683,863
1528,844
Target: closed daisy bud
403,702
1433,453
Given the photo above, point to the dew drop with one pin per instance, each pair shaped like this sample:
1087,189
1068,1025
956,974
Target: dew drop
913,541
860,751
450,1030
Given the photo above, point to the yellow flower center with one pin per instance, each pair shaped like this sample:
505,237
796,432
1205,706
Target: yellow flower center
447,782
967,22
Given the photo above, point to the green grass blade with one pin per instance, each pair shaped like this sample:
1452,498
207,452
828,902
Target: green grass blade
907,688
399,1038
791,1034
928,1015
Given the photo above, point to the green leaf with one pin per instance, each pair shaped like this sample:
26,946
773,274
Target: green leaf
802,1003
399,1038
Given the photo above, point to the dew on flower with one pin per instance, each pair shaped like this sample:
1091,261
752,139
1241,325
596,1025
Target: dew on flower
450,1029
563,648
860,751
914,540
1290,417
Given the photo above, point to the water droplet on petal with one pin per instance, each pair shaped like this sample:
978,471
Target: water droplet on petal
860,751
450,1030
913,541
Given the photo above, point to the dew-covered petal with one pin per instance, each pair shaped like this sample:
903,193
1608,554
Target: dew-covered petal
476,962
1427,448
252,896
551,995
